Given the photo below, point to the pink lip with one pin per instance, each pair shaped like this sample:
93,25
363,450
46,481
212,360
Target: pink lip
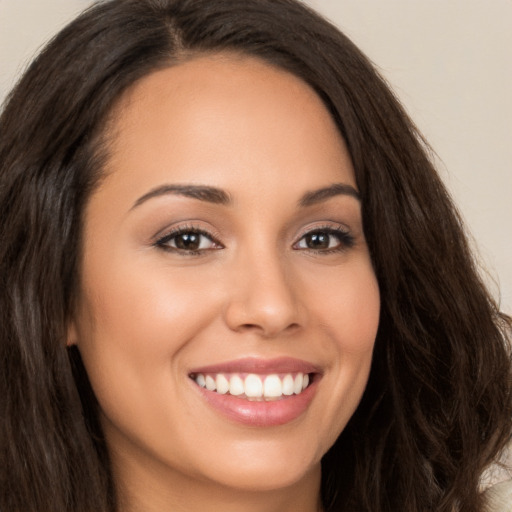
255,413
260,414
260,366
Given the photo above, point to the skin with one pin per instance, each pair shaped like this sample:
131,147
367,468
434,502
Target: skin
147,314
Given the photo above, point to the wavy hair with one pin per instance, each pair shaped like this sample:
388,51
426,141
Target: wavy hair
437,409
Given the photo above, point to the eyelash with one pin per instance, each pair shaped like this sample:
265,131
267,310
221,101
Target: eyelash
345,239
162,243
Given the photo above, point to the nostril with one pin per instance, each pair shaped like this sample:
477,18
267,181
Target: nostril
267,330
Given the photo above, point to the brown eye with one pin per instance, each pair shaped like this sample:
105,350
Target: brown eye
318,240
326,240
188,241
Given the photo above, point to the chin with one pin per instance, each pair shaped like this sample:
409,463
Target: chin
264,466
264,477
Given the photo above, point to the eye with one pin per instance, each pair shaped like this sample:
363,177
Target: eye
188,240
326,240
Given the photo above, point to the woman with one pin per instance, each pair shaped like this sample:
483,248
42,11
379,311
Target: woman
231,278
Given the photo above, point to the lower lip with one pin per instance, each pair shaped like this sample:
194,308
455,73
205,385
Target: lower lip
260,414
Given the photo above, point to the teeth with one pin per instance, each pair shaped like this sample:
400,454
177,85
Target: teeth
297,383
288,385
254,386
272,386
210,383
201,380
236,385
222,384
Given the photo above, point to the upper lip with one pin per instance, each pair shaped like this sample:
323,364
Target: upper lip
260,366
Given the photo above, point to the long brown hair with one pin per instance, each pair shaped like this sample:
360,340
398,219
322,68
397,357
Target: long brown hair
437,409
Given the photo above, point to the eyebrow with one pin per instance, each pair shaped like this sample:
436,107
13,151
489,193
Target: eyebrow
218,196
322,194
202,192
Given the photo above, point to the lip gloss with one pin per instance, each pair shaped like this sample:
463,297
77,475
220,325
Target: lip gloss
259,413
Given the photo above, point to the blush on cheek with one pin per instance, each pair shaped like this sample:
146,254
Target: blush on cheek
350,313
146,305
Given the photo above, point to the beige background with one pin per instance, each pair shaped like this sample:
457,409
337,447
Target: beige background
450,62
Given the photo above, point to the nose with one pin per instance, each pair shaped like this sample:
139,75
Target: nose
264,297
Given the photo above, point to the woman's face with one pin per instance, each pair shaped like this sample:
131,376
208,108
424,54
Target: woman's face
225,249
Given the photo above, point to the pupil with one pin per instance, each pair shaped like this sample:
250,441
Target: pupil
188,241
318,241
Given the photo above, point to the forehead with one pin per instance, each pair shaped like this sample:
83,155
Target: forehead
225,117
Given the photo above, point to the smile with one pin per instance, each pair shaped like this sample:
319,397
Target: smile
258,392
254,387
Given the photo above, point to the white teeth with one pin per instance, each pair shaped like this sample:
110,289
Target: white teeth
210,383
272,386
297,384
222,384
254,386
288,385
201,380
236,385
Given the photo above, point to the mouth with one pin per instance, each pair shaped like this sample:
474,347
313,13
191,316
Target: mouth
255,387
257,392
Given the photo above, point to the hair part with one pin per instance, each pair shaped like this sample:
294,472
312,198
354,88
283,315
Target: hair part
437,409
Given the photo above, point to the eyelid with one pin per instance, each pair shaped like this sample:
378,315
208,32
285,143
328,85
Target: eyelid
347,239
333,226
160,239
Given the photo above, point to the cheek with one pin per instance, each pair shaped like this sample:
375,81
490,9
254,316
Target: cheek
143,306
346,304
346,308
135,321
352,320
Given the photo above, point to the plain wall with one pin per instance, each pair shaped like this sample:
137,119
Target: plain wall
449,61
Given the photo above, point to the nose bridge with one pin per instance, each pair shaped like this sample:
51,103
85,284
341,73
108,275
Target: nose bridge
263,294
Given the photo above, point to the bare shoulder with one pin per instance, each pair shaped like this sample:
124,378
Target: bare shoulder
497,482
499,497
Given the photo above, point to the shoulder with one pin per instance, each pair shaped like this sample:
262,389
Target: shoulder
497,483
499,497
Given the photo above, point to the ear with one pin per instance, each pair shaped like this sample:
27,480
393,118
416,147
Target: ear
72,334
